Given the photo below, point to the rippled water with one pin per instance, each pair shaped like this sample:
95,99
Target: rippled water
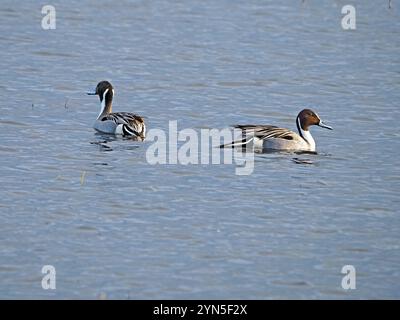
115,226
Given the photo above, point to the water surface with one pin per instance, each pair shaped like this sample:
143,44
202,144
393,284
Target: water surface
114,225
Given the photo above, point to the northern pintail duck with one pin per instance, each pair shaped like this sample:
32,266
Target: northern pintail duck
123,123
268,137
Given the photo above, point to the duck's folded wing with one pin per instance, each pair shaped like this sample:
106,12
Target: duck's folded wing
123,118
266,131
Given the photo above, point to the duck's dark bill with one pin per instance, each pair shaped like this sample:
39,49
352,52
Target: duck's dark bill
323,125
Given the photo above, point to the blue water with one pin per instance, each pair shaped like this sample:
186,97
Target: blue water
115,226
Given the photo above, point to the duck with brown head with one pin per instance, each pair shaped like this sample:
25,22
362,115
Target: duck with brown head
266,137
120,123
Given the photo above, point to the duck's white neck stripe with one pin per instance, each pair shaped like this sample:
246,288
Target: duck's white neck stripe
103,103
306,135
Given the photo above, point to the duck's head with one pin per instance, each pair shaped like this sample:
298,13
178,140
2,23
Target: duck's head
307,118
104,90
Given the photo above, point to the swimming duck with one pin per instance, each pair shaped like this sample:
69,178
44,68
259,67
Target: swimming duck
120,123
267,137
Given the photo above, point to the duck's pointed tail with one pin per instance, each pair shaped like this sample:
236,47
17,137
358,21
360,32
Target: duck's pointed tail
238,143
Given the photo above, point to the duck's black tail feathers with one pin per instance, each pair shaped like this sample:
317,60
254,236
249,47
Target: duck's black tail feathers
238,143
